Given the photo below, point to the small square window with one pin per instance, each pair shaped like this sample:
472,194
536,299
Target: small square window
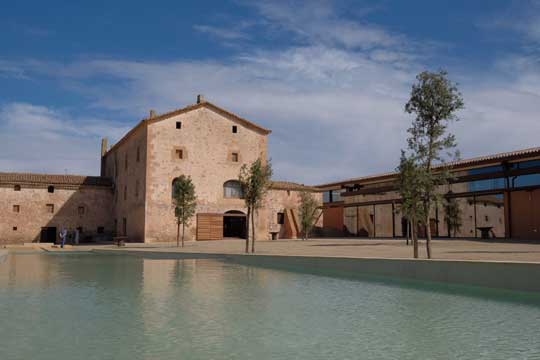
50,189
14,228
16,208
50,208
234,157
17,188
81,210
100,230
179,153
234,129
178,124
280,218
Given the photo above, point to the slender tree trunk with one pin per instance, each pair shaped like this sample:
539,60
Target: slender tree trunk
177,234
428,238
183,232
253,231
408,230
247,228
414,234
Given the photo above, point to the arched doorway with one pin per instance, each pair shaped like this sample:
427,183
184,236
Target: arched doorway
234,224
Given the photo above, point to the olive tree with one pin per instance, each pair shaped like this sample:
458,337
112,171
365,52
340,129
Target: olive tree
185,203
255,180
434,101
309,211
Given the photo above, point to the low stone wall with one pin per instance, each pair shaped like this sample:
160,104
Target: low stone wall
499,275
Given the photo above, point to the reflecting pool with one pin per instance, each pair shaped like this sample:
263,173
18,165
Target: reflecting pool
90,306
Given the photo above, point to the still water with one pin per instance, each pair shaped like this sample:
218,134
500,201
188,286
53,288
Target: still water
120,307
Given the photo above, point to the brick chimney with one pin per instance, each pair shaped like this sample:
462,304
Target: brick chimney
200,99
152,113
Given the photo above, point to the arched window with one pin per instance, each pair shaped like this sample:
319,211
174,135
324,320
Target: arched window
175,180
233,189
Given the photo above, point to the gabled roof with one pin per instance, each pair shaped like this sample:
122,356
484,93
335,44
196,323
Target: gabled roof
205,104
453,165
52,179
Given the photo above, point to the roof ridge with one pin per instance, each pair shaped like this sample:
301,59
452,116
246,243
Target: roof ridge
454,163
178,111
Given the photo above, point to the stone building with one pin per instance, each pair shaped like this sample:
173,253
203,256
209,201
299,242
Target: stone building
498,196
34,207
133,195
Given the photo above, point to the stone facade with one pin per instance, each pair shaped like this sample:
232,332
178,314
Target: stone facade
33,203
203,141
133,196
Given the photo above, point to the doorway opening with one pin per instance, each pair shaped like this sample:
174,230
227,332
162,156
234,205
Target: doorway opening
48,235
234,224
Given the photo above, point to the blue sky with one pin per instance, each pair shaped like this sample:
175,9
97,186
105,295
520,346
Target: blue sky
329,78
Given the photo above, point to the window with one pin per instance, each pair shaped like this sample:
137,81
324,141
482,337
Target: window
526,180
14,228
100,230
280,218
50,189
16,208
126,162
234,129
178,124
17,188
81,210
179,153
332,195
138,153
125,192
234,157
124,226
233,189
50,208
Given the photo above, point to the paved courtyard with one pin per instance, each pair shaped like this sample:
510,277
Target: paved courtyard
357,248
364,248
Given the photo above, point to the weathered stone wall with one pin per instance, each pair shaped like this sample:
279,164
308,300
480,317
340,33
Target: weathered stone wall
25,225
276,202
129,184
207,141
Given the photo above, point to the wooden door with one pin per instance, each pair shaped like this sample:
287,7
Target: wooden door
209,227
525,208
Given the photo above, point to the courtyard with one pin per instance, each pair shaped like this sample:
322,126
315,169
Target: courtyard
473,250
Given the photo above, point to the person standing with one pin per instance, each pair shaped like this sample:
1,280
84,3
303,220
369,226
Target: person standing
63,235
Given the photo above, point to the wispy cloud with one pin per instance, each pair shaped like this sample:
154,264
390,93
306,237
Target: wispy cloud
222,33
37,138
333,97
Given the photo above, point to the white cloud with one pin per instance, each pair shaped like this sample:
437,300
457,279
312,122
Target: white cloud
334,100
38,139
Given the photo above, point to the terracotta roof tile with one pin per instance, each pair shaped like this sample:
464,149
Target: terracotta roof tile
51,179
